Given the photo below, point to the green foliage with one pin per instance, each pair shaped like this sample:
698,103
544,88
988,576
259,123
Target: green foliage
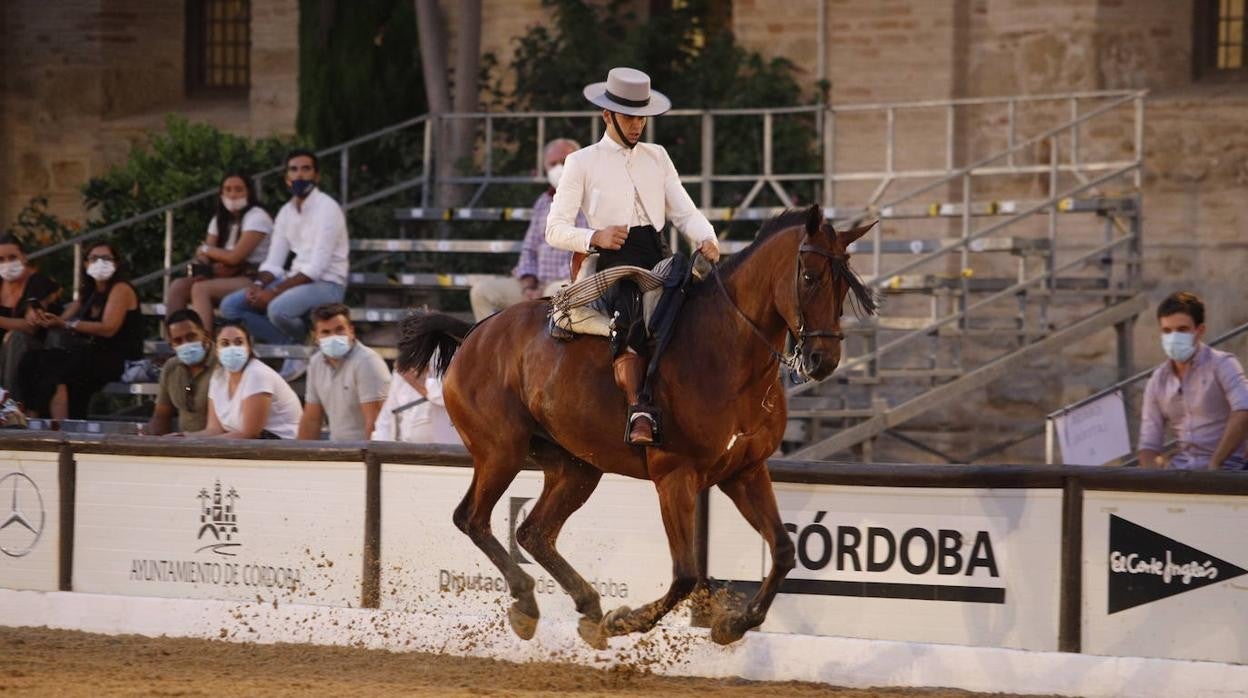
696,65
37,229
183,161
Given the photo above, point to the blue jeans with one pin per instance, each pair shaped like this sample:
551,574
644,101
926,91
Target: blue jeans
285,320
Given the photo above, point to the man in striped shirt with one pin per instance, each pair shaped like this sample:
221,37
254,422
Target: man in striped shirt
542,268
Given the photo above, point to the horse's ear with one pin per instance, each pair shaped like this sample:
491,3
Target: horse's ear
853,234
814,219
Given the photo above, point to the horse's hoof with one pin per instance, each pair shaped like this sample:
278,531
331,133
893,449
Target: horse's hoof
524,624
730,627
592,633
615,623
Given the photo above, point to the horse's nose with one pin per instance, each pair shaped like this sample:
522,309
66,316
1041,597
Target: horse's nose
815,360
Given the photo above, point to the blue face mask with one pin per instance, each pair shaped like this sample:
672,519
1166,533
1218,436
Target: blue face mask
191,353
233,358
1179,345
302,187
335,346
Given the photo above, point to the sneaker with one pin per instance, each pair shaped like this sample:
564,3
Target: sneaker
293,369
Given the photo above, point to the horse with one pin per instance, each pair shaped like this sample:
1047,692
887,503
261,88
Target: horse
513,391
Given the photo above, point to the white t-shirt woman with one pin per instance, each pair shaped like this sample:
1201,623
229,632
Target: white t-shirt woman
284,409
255,219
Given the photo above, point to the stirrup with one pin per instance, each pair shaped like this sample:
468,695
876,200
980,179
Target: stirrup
648,412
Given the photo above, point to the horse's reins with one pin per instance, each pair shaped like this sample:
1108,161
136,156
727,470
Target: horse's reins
792,360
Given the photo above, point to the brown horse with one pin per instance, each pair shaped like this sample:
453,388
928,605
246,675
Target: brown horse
512,391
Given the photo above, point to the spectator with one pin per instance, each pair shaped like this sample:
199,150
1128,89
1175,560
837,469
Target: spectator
312,226
224,266
414,411
542,268
247,399
1200,391
23,291
346,380
184,378
87,345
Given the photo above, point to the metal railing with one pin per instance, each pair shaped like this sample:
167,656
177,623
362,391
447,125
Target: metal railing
826,135
1050,431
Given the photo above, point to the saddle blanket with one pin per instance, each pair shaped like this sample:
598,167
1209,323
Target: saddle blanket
575,309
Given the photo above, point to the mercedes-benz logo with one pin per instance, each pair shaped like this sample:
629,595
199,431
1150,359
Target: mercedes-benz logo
21,514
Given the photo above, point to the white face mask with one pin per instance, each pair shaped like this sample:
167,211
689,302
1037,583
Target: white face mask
233,205
101,270
12,271
553,174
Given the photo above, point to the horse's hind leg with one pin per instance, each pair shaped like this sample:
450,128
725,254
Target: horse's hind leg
751,491
490,480
568,484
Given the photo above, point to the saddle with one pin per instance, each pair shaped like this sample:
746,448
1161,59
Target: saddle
575,308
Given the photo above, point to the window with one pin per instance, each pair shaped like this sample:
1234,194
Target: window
1219,40
218,46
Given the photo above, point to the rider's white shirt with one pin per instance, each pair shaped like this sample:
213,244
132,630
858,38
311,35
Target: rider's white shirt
606,181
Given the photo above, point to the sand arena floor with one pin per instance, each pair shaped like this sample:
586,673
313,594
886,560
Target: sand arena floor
42,662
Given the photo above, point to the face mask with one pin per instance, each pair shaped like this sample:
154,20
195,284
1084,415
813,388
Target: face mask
12,271
233,358
101,270
1179,345
553,174
233,205
302,187
191,353
335,346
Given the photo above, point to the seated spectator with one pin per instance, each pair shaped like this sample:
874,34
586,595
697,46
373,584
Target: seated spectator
1199,391
225,264
312,226
23,291
87,345
542,268
414,411
246,398
184,378
347,381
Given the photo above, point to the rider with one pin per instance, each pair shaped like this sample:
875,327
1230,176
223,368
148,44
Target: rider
627,191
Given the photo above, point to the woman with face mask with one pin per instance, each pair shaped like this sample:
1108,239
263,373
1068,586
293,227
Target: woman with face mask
246,398
23,291
236,244
88,344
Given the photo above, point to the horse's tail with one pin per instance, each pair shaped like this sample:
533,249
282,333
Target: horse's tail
426,337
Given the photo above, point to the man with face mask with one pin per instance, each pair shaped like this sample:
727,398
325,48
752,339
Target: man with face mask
542,268
184,378
313,227
347,381
1199,391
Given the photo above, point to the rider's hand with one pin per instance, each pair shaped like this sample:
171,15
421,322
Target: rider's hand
709,250
611,237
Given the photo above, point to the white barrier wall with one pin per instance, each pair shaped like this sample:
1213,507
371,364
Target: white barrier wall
966,566
29,520
247,530
1164,575
616,541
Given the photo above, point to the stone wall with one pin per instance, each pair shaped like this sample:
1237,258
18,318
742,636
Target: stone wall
274,97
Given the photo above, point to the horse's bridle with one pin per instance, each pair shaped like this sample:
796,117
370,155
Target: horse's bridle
793,360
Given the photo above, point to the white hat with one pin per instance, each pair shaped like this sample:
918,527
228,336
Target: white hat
627,91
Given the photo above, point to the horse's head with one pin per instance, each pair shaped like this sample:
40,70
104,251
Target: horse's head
824,280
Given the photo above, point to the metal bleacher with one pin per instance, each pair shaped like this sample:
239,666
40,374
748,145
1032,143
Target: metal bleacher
981,264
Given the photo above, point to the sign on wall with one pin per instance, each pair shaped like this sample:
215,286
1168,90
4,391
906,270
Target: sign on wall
978,567
248,530
1095,433
616,542
29,520
1165,575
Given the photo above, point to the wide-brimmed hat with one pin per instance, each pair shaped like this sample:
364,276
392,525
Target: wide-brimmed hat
627,91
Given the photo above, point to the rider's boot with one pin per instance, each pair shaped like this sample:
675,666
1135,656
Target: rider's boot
630,369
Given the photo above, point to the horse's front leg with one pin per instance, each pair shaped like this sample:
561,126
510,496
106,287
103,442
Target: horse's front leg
678,494
751,491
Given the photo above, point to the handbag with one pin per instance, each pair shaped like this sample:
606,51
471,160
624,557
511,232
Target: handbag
66,339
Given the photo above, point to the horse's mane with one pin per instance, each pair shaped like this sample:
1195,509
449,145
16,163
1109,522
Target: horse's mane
861,296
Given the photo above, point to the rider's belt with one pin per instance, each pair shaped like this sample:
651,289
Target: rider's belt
643,248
